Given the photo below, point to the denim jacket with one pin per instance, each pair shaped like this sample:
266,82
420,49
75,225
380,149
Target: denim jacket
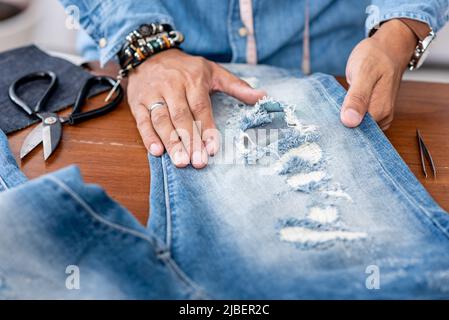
215,30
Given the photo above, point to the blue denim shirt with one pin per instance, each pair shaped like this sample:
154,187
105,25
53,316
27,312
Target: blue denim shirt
211,28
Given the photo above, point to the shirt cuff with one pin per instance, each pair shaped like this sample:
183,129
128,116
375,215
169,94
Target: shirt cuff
376,18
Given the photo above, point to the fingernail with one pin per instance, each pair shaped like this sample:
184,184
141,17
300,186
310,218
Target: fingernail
351,118
155,149
199,159
211,147
180,158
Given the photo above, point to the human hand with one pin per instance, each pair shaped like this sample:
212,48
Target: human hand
374,72
184,126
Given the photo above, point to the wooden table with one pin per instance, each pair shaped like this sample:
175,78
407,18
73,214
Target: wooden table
110,152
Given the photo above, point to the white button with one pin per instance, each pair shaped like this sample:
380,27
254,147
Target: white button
243,32
103,42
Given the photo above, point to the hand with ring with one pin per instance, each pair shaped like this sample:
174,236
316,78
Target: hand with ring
169,96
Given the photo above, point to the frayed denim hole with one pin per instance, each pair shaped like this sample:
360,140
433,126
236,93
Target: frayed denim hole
309,186
324,214
247,148
255,145
335,193
306,224
296,165
295,136
308,234
261,114
291,138
270,105
255,119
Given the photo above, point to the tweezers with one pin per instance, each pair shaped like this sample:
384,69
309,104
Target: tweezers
425,153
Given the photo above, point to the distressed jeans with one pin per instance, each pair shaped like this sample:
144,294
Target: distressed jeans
294,206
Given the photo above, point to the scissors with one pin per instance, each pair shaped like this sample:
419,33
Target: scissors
49,131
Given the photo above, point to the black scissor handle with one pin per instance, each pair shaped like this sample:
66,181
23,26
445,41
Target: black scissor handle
44,75
78,116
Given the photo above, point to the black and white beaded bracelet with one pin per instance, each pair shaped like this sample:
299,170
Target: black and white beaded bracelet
142,43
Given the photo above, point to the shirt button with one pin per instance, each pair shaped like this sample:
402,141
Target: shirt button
243,32
103,42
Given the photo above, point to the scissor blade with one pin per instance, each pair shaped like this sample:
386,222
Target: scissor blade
51,136
31,141
421,154
425,153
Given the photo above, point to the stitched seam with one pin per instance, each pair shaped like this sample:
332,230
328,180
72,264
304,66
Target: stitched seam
387,173
168,231
198,292
95,215
167,260
3,183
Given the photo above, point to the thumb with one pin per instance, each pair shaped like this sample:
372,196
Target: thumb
357,101
228,83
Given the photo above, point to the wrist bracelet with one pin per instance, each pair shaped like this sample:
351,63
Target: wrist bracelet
141,44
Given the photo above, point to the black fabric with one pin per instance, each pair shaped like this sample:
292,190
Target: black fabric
19,62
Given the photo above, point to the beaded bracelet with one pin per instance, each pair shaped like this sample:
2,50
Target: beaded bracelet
143,43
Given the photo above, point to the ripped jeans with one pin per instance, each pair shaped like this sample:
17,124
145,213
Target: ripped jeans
293,206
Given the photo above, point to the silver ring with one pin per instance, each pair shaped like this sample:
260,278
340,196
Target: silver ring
156,105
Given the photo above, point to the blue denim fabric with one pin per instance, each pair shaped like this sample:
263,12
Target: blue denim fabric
265,236
211,28
10,175
53,223
250,225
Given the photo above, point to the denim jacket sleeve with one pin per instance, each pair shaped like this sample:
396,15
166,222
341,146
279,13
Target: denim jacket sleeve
433,12
109,21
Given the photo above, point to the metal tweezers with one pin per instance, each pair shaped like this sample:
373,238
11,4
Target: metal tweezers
424,153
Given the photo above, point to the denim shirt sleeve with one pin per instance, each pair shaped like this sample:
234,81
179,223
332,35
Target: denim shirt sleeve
433,12
112,20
